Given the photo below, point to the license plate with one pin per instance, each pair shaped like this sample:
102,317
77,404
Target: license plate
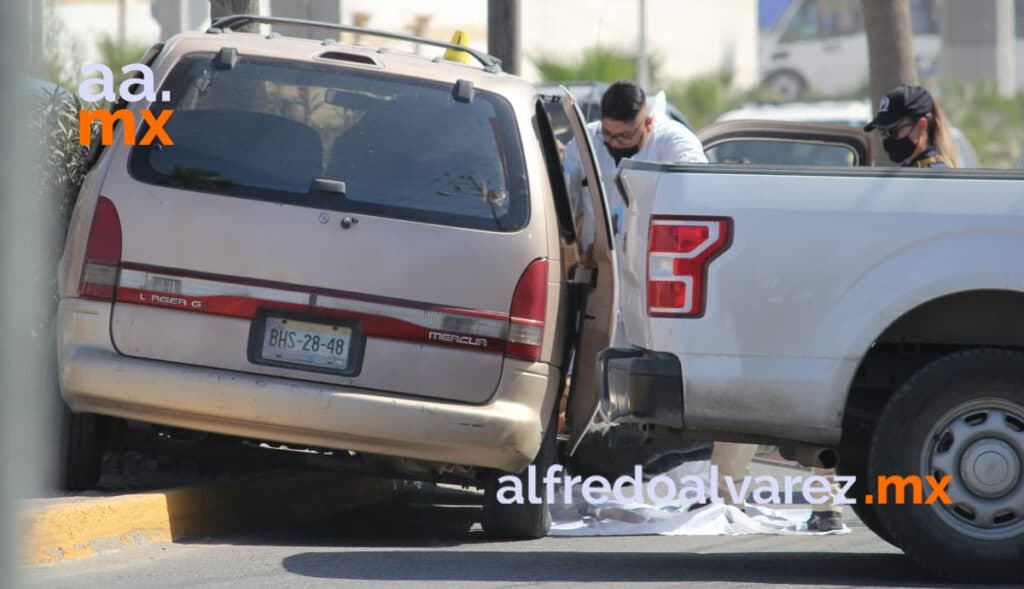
303,343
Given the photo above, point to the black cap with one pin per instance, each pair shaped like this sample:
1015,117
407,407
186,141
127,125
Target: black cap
900,102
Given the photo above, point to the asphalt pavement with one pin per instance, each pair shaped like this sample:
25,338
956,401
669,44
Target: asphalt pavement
434,540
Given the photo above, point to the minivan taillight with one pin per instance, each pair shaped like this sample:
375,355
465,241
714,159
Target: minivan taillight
679,250
102,253
526,316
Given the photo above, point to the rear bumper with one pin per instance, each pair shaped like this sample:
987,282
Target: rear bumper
504,433
638,386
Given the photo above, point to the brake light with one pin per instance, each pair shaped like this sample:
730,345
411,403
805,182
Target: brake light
102,253
679,251
526,321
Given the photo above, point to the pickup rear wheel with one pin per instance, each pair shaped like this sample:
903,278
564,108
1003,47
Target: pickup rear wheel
526,521
865,512
960,417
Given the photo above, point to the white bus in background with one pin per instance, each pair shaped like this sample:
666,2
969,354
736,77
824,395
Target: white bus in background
820,45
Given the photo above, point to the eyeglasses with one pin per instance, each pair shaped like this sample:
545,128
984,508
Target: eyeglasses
623,137
894,131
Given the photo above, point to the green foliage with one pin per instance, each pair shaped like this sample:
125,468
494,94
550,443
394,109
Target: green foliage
704,98
61,162
993,123
599,64
60,63
701,99
117,55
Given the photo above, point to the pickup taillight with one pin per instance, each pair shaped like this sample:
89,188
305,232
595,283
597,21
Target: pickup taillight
679,251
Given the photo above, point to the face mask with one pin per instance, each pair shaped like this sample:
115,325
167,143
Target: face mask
620,152
899,149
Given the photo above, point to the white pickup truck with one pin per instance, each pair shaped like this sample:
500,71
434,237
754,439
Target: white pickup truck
869,318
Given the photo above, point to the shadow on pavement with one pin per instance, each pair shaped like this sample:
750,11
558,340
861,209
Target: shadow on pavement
812,569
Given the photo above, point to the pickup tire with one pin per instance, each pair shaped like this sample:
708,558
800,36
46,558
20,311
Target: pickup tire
83,443
526,521
961,416
866,513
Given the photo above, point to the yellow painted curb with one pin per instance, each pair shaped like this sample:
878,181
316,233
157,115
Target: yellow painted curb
66,530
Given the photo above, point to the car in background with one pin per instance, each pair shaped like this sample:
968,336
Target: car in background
785,143
852,113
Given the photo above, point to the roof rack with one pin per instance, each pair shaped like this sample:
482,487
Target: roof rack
228,23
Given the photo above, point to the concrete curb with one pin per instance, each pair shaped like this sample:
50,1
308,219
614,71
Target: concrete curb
70,529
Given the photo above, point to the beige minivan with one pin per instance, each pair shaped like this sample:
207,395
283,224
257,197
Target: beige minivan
341,247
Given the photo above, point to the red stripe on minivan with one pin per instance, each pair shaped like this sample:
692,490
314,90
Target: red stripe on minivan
380,317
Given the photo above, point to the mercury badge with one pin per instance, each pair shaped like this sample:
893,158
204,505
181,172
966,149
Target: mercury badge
324,218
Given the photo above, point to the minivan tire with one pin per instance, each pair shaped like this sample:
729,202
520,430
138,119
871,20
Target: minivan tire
526,521
83,443
961,416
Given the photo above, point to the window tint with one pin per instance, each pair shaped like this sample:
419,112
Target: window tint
819,19
771,152
403,147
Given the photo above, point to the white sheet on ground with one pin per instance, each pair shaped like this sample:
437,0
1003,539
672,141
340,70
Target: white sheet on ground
581,518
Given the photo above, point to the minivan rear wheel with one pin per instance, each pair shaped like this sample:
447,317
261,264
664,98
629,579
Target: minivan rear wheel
526,521
83,443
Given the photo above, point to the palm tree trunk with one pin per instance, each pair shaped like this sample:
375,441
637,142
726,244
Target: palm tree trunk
890,49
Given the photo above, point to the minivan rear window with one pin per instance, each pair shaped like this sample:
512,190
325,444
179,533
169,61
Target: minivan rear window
342,139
